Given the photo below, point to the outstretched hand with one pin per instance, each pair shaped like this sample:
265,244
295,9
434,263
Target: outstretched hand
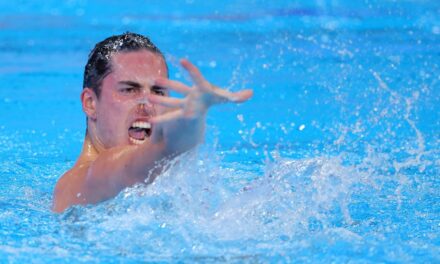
197,99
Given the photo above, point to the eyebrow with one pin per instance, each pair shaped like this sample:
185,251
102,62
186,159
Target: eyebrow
138,85
131,83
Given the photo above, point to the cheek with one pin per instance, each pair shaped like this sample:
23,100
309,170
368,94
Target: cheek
112,116
108,112
114,106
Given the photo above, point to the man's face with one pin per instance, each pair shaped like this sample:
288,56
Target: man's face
122,110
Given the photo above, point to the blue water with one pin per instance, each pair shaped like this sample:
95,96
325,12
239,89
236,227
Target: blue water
335,159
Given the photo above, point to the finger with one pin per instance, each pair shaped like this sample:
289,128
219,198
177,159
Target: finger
241,96
237,97
195,73
173,85
167,117
165,101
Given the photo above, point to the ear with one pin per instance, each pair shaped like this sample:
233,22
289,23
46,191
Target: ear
88,100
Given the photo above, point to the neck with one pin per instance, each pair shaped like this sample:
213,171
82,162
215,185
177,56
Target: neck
89,152
91,140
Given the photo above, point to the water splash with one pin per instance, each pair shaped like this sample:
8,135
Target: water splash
201,206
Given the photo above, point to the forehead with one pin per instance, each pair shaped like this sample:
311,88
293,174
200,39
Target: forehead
133,65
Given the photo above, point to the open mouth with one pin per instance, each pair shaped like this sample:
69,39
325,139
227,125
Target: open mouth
139,132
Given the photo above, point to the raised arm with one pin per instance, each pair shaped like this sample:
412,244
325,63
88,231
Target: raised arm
184,126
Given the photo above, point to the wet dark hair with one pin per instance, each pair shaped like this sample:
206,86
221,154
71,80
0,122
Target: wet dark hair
99,63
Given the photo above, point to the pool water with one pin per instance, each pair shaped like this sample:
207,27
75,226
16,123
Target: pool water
335,158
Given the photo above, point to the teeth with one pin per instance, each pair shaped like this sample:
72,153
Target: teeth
141,125
136,141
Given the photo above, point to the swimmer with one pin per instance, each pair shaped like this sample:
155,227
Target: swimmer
133,125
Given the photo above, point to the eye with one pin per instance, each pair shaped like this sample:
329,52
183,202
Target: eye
158,91
128,90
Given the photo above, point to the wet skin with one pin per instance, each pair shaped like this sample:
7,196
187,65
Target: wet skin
114,155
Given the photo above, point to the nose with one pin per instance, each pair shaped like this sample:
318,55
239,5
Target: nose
143,105
142,97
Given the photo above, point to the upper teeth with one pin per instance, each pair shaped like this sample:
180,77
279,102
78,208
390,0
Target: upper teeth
141,125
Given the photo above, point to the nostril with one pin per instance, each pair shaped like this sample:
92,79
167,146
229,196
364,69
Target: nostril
144,107
143,103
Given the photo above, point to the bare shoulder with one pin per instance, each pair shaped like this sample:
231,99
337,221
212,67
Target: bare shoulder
100,177
97,178
68,188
